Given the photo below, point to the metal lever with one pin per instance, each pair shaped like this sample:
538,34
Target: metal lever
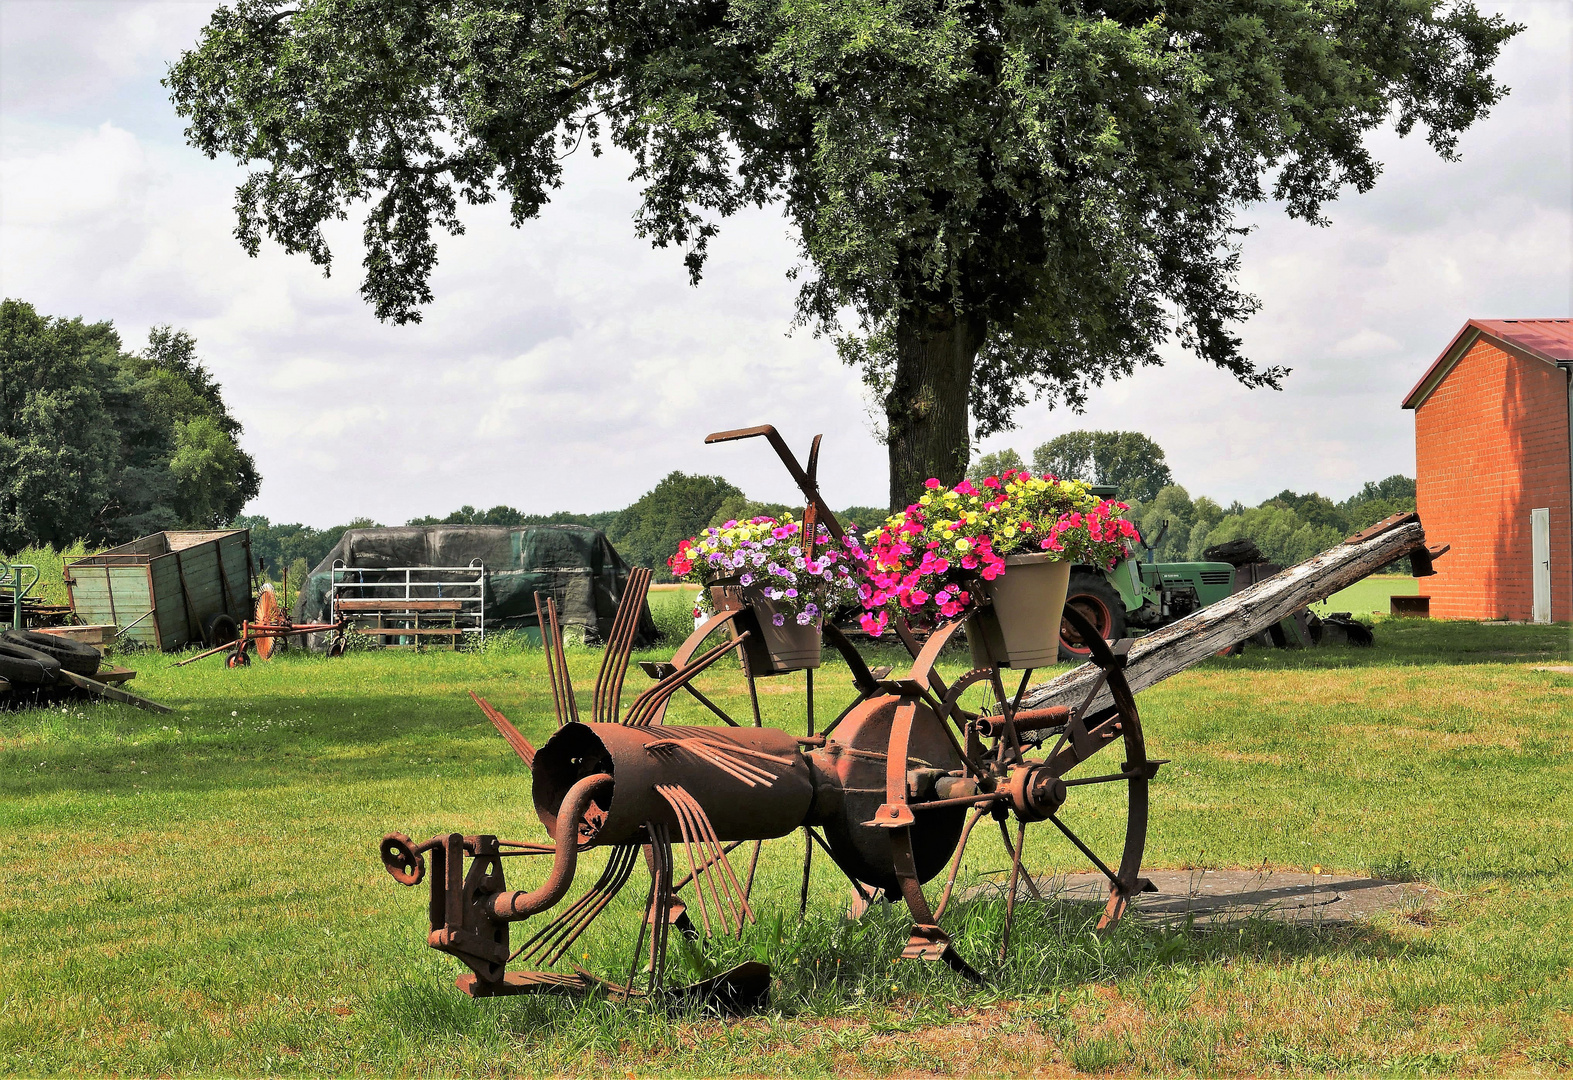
804,478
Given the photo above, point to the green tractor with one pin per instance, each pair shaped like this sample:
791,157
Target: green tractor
1140,596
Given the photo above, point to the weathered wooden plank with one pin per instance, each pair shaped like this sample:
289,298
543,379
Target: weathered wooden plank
174,629
1177,646
408,631
393,606
93,686
185,539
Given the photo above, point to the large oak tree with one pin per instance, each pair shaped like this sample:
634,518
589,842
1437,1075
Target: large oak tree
994,200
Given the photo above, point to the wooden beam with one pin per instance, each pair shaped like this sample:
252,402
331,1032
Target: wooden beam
396,606
93,686
1201,634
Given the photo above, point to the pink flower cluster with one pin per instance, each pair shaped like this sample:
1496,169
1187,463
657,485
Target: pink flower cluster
926,561
1100,529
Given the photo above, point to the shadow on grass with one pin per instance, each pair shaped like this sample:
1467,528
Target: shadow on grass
345,738
826,966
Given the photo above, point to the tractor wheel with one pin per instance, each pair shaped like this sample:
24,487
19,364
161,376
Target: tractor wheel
1096,601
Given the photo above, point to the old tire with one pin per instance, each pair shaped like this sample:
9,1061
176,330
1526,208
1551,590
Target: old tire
22,666
219,629
72,655
1099,603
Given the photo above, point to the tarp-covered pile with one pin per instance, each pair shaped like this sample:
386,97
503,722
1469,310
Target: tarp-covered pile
575,565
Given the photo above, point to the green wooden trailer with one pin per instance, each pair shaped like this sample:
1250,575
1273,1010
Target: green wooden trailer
168,590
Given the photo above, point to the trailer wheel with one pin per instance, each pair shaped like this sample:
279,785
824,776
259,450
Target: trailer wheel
220,629
1095,600
72,655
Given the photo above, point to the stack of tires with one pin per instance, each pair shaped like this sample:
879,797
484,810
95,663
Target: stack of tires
29,659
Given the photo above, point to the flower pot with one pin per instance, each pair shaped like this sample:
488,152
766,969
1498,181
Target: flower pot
1021,626
770,649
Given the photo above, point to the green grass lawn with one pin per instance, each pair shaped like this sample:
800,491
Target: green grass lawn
200,893
1369,596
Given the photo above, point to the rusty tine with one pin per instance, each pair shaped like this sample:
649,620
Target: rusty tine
741,903
520,744
562,661
550,935
688,847
718,754
566,931
639,591
691,840
619,867
551,666
655,884
706,833
661,848
718,763
625,856
955,864
684,804
619,644
729,847
640,713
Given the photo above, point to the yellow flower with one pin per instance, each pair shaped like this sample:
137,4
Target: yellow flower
924,501
961,545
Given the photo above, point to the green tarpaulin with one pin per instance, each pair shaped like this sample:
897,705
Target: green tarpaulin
575,565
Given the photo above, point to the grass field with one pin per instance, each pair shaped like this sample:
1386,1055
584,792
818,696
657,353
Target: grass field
200,893
1369,596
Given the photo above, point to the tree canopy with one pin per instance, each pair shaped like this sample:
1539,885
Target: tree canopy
994,464
103,445
648,532
1128,460
1009,198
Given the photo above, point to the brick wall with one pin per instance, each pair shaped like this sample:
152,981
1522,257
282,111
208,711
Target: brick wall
1491,443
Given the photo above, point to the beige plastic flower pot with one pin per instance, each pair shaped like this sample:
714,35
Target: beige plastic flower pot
791,647
773,650
1021,626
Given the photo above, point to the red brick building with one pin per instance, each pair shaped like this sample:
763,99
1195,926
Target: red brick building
1494,442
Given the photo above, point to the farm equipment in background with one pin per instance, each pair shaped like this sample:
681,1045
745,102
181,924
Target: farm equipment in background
1143,596
890,790
168,589
270,632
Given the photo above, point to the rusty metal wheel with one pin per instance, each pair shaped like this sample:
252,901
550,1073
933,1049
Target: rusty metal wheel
1112,735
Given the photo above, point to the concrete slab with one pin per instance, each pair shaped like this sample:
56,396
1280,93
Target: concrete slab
1221,897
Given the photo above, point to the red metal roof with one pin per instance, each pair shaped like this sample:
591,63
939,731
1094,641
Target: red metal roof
1550,340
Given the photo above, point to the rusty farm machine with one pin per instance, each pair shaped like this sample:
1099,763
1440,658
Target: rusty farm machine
891,789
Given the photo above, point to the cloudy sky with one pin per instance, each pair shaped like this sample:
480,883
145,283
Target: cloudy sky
568,366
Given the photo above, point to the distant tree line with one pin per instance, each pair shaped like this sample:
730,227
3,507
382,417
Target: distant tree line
103,445
1289,528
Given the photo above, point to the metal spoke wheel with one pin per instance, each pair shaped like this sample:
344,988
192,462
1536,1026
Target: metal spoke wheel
1096,761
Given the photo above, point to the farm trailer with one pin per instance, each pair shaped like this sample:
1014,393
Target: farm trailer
168,590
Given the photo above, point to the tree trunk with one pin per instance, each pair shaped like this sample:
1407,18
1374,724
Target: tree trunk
926,409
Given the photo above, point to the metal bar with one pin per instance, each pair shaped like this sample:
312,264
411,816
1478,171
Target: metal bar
1085,850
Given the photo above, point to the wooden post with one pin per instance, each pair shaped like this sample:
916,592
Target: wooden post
1201,634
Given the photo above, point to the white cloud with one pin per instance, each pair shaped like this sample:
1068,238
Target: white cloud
567,365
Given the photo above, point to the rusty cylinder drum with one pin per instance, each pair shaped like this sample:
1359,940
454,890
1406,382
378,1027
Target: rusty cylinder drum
720,767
